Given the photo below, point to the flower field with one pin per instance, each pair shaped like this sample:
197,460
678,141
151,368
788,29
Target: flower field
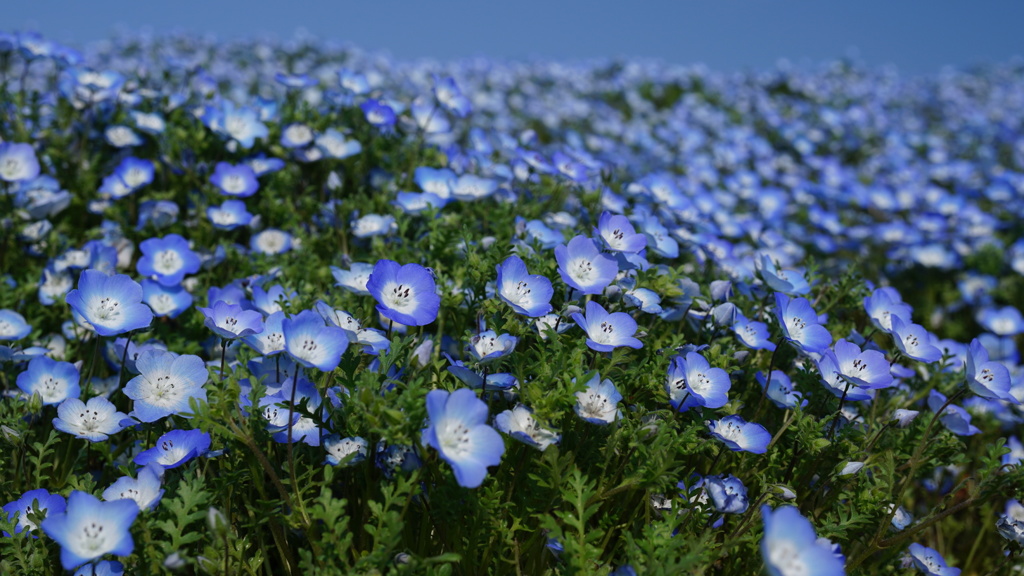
283,308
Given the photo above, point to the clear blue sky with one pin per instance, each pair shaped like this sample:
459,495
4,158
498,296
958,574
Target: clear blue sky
918,36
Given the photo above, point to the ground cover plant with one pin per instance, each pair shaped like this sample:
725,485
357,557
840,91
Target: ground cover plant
293,308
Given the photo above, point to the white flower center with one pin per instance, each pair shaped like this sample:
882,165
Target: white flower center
167,262
581,270
785,557
399,297
106,309
454,438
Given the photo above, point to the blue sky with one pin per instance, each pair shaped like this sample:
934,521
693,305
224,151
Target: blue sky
918,36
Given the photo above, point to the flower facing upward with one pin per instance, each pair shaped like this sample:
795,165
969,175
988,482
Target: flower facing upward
405,294
458,431
311,342
93,421
527,294
54,381
112,305
739,435
606,331
175,448
693,382
165,384
167,259
799,323
37,502
599,403
583,267
791,548
230,321
987,379
88,529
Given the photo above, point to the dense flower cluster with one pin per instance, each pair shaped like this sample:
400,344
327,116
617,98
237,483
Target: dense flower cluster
316,296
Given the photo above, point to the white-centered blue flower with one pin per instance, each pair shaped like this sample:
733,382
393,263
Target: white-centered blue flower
405,294
457,429
165,384
54,381
599,402
89,529
94,420
111,305
145,490
790,546
311,342
739,435
527,294
520,424
607,331
583,267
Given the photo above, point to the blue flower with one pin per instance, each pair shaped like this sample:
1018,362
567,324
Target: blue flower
987,379
378,113
882,305
618,234
13,326
336,145
930,562
727,493
527,294
296,135
752,334
167,259
354,279
112,305
599,403
230,321
405,294
229,215
102,568
88,529
418,202
1010,524
781,391
953,417
34,502
165,384
607,331
1006,321
237,181
351,451
93,421
791,282
475,380
800,324
583,267
693,382
269,301
457,429
868,369
739,435
174,449
271,340
488,346
520,424
271,242
790,546
311,342
17,162
54,381
437,181
133,173
241,124
648,301
836,382
169,301
914,341
145,490
448,94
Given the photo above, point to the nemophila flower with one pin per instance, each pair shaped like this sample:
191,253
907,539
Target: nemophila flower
241,124
270,340
618,234
17,162
882,305
930,562
692,382
120,136
54,381
901,518
150,122
599,403
167,260
111,305
38,503
373,225
739,435
1010,524
470,187
953,417
229,215
354,279
169,301
13,326
475,380
1005,321
833,379
648,301
134,173
799,324
230,321
583,267
165,384
448,94
271,242
607,331
418,202
263,165
312,343
145,490
520,424
296,135
102,568
378,113
987,379
904,417
351,451
790,547
52,287
527,294
727,492
914,341
488,346
405,294
752,334
457,429
89,529
336,145
269,301
791,282
175,448
94,421
235,180
1016,454
868,369
437,181
780,391
158,214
